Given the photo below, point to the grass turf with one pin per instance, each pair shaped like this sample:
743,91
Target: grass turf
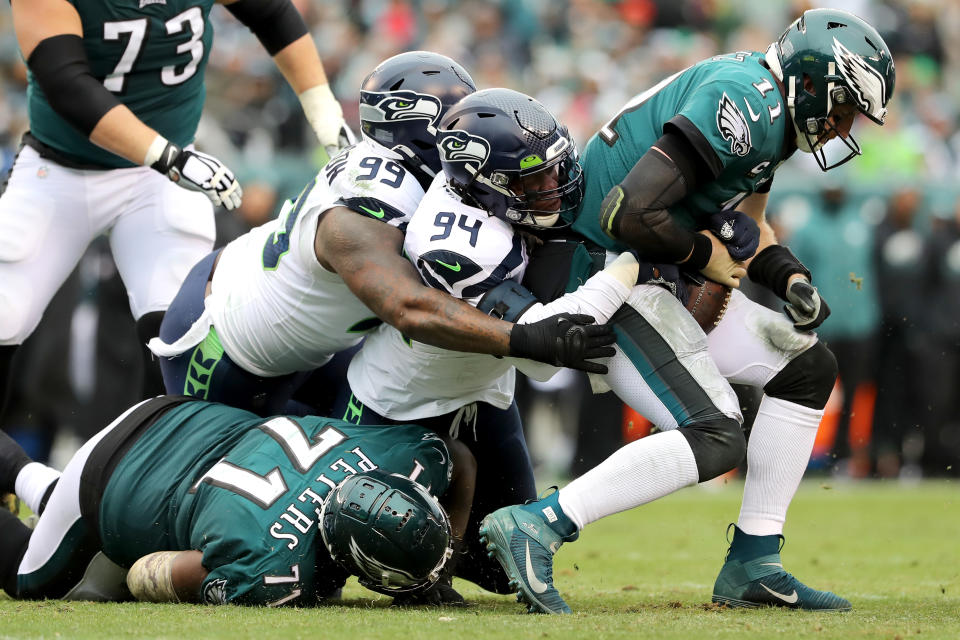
648,573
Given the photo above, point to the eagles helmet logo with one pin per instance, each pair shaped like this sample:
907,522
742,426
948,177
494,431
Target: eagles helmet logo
733,126
392,106
867,84
460,146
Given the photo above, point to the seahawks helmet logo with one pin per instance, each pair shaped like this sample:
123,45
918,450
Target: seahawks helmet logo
393,106
733,126
867,84
460,146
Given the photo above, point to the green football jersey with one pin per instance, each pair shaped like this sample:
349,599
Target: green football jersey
728,106
152,55
247,492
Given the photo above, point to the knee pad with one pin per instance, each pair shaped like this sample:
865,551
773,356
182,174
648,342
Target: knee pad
807,380
718,445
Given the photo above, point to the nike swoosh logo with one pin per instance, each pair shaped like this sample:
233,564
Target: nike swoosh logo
753,116
790,599
536,584
771,564
375,214
452,267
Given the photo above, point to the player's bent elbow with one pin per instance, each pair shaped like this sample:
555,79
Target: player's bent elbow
167,576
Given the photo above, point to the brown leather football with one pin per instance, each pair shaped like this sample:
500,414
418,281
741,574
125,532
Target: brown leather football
707,303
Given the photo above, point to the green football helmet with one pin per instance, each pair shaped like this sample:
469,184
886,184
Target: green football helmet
829,58
387,530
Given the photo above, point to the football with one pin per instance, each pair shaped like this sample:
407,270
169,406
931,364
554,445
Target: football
707,303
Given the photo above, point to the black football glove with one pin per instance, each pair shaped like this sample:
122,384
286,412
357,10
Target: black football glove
564,340
805,306
200,172
738,231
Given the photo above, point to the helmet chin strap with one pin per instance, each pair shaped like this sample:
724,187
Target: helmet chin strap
421,171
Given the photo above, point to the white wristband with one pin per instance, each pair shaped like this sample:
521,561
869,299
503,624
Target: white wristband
155,151
625,269
323,113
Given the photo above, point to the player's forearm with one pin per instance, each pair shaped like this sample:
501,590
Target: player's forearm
167,576
433,317
458,498
122,133
300,64
636,213
599,297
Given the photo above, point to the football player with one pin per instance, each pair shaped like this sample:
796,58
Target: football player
208,503
692,155
115,94
509,171
252,321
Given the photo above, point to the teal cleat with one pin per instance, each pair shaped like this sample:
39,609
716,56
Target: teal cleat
519,537
753,576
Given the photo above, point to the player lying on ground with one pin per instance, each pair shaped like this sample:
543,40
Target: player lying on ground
663,177
236,505
250,325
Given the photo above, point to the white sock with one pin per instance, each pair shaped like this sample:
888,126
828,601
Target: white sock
33,481
635,474
777,455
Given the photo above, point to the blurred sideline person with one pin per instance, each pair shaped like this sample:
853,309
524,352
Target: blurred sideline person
251,322
114,97
836,243
509,170
208,503
901,256
682,176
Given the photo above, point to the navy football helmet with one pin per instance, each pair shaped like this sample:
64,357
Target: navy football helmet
503,152
832,62
403,99
387,530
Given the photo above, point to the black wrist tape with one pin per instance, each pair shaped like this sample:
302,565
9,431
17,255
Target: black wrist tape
702,250
167,159
60,65
773,267
276,23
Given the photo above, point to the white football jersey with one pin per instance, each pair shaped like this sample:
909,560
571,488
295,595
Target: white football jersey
276,310
466,252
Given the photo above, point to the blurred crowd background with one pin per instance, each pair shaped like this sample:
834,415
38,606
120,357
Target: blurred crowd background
881,234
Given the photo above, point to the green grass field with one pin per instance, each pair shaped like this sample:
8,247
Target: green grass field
893,550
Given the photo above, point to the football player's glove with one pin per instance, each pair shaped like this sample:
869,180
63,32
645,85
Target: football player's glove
199,172
805,306
738,231
564,340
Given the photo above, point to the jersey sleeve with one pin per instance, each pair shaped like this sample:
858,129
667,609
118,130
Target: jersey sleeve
468,275
247,570
721,120
373,186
